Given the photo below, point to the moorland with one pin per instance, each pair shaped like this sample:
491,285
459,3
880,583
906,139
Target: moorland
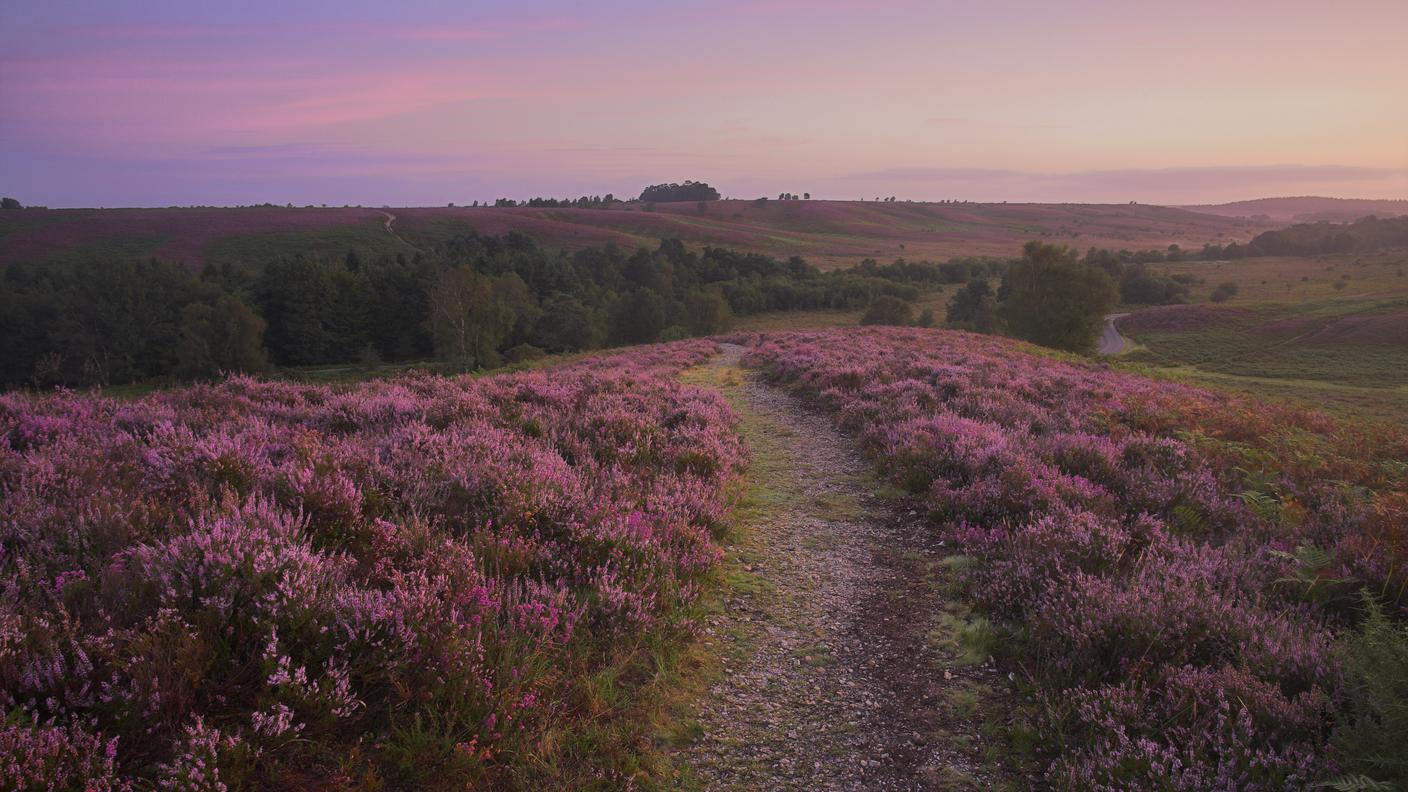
385,511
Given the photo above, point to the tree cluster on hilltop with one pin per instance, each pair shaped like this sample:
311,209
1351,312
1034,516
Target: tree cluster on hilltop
687,191
585,202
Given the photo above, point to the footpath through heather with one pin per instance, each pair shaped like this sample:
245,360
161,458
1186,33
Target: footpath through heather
841,652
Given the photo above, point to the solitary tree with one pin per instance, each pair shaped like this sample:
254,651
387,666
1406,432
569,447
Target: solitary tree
1052,299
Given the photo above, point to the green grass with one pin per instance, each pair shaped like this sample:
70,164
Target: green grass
132,246
1243,347
369,239
1296,279
1364,377
936,301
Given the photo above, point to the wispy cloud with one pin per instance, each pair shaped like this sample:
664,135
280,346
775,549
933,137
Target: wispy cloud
1201,176
1144,184
486,31
979,123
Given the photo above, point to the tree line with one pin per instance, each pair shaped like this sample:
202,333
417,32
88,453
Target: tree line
655,193
585,202
1365,235
475,301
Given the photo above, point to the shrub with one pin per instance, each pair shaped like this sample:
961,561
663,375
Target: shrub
887,310
523,353
1225,291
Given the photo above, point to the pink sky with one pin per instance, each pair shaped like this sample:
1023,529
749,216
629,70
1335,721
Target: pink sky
423,103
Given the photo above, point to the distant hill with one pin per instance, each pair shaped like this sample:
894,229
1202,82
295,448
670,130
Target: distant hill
1307,209
826,233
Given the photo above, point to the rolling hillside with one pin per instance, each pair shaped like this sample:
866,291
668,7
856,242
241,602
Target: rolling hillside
1305,209
826,233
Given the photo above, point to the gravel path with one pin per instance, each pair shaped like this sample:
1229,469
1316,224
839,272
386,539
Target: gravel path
832,680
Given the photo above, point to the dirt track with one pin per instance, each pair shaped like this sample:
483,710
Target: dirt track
832,677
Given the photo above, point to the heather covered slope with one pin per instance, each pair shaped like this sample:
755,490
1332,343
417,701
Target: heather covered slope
191,236
1173,568
415,584
444,582
826,233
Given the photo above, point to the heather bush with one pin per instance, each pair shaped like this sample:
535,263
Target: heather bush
1186,727
244,584
1178,564
35,756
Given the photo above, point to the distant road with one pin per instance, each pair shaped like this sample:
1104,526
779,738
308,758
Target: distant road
1111,342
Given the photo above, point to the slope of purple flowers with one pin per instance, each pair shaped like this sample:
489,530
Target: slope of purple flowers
1177,563
245,582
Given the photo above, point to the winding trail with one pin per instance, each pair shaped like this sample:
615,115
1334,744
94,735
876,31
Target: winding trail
839,666
1111,342
390,219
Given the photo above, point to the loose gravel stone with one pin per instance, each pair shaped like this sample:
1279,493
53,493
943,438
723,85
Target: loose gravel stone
840,688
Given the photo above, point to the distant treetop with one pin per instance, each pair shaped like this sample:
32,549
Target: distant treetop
689,191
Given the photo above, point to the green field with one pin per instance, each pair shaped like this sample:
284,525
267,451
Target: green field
1329,331
369,239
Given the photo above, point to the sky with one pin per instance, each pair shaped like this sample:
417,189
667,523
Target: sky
426,102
